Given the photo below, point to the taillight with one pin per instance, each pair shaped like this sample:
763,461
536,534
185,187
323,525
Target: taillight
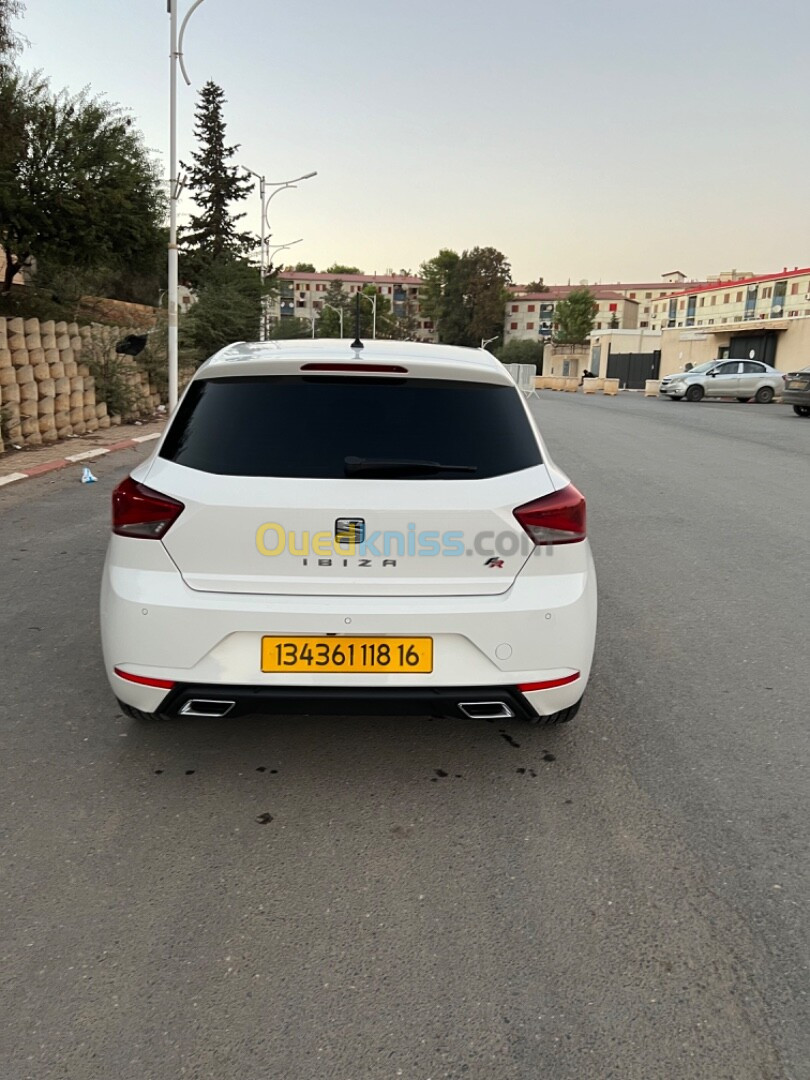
144,680
139,512
558,518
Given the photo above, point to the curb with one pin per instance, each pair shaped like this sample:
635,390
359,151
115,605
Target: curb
74,459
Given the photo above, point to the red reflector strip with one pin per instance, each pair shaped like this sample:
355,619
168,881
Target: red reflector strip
144,680
549,685
356,367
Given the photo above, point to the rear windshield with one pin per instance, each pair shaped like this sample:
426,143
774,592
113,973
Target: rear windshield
306,426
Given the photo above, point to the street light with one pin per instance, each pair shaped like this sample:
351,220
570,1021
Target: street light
175,185
280,247
265,201
280,185
373,301
275,248
486,341
340,313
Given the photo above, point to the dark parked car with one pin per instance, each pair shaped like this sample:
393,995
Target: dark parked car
797,391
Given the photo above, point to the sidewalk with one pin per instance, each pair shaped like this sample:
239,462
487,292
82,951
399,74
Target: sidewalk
18,465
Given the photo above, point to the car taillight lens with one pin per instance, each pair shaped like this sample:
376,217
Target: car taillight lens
558,518
142,513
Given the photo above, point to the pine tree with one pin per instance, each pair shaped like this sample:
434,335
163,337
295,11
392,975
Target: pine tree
212,236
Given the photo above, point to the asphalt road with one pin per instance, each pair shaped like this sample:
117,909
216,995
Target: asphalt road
626,897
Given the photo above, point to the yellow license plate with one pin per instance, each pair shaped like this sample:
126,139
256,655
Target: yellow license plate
361,655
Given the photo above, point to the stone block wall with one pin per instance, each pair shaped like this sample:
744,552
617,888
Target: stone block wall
47,391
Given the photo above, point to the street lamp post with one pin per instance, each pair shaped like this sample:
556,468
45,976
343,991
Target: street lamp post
275,248
265,221
373,301
340,313
263,240
486,341
280,247
281,185
175,185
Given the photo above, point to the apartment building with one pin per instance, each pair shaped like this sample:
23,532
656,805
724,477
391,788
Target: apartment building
651,314
762,317
302,295
646,293
726,299
750,299
530,315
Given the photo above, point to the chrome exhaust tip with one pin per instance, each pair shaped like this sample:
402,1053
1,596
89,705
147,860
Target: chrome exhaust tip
486,710
206,707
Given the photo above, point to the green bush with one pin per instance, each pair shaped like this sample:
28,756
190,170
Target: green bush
522,352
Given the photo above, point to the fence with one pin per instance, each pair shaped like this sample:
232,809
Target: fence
523,375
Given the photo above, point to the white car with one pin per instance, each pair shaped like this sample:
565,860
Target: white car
331,529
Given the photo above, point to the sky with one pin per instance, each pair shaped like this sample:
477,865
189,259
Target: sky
586,140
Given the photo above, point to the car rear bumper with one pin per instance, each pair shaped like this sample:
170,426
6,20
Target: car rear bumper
470,702
795,397
541,630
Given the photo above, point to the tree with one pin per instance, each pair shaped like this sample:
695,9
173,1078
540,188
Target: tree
329,319
305,268
212,236
78,188
574,317
339,268
485,274
10,41
438,279
228,308
537,286
465,294
290,327
521,351
388,325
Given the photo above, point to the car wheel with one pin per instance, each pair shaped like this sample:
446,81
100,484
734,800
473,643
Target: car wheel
694,393
136,714
561,717
802,410
743,399
764,395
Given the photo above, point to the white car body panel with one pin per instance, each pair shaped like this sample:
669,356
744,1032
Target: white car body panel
192,607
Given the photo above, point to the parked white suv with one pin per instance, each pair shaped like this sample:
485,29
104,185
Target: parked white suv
327,529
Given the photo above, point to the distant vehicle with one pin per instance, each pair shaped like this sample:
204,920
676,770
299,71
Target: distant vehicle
740,379
797,391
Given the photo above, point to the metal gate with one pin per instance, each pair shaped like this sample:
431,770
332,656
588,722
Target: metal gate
762,345
633,369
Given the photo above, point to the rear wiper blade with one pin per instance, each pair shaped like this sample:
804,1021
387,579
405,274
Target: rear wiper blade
356,466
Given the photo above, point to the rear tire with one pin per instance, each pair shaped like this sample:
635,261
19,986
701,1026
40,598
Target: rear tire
694,393
802,410
561,717
764,396
136,714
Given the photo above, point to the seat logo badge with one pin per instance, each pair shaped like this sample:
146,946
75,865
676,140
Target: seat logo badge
494,563
350,531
